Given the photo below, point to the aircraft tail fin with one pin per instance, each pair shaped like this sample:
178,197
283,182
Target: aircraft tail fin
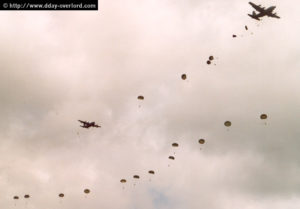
274,15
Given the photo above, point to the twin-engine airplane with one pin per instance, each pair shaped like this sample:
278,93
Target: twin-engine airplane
86,124
262,11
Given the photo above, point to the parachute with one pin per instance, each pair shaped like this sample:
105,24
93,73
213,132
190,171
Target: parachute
61,195
26,196
136,176
227,123
140,97
171,157
208,62
151,172
211,58
86,191
183,76
123,181
16,198
201,141
175,145
263,116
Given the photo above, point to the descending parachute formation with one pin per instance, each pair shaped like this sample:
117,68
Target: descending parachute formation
152,172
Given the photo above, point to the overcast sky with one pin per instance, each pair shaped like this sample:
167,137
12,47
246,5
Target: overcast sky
58,67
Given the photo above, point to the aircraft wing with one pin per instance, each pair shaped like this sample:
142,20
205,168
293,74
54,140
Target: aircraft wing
256,16
257,7
84,122
97,126
273,15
